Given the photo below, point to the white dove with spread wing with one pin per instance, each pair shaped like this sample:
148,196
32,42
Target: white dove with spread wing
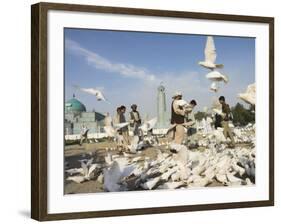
210,55
99,95
250,95
216,76
95,92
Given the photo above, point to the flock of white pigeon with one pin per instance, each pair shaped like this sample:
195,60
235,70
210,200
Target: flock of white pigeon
210,63
216,164
215,76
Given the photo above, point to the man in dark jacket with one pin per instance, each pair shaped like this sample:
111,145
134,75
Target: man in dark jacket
177,118
225,120
218,120
135,119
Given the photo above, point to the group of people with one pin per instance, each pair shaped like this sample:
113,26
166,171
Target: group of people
182,117
123,139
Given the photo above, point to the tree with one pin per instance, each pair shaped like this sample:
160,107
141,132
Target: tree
200,115
241,115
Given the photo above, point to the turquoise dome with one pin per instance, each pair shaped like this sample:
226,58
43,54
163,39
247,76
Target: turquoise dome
74,106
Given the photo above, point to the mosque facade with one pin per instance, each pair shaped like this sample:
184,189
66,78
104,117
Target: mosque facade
77,116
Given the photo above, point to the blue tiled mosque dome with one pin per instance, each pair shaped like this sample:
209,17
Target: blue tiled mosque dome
75,106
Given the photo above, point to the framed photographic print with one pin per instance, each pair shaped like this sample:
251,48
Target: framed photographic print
139,111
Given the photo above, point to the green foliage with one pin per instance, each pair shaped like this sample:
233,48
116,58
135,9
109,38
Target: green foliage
200,115
241,115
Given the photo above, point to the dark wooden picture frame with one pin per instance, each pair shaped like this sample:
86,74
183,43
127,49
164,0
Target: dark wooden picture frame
39,105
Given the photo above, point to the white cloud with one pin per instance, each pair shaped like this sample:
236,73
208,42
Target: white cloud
126,70
192,84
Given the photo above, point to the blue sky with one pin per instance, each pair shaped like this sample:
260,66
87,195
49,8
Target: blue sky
128,67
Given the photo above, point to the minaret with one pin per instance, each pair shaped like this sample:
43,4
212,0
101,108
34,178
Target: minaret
161,106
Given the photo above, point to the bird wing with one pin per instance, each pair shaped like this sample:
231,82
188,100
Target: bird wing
225,78
90,91
77,179
217,76
148,125
144,127
89,162
84,167
121,125
214,87
75,171
210,50
216,105
92,168
152,123
100,96
181,103
248,98
87,90
109,131
217,111
214,75
250,95
251,88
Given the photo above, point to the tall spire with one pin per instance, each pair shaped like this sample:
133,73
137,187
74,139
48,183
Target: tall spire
161,106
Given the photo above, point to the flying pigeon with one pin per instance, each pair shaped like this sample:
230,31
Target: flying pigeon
184,104
216,76
148,125
214,87
111,129
181,103
120,125
210,55
250,95
99,95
